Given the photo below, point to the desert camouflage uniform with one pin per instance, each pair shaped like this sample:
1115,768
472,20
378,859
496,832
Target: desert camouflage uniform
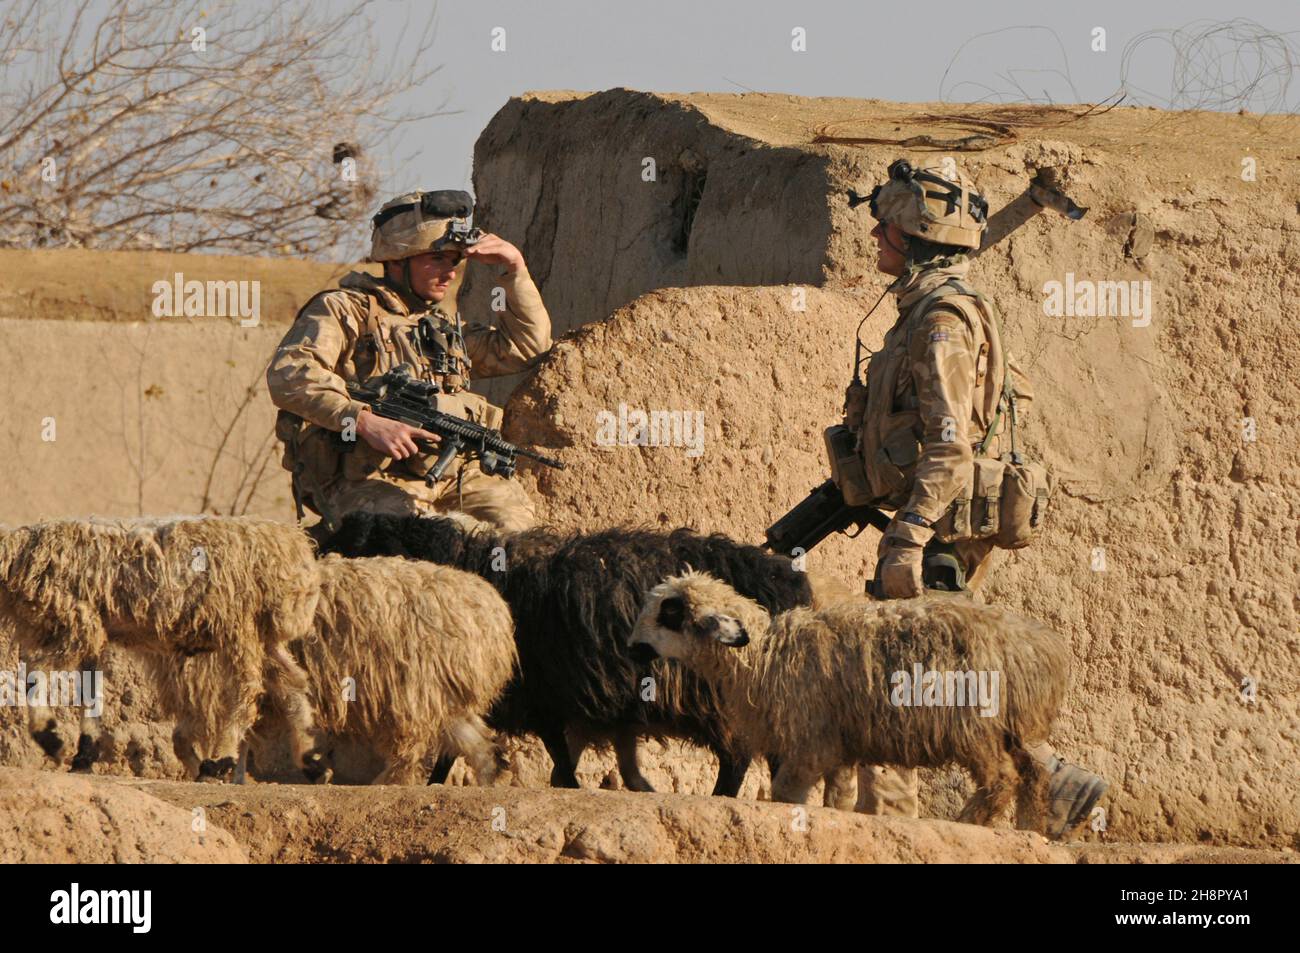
933,391
360,331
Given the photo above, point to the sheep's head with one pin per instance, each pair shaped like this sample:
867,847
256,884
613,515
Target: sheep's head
689,616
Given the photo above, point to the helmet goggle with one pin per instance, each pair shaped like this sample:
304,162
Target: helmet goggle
446,204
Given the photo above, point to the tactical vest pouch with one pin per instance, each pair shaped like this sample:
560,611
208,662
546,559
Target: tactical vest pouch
990,475
1026,488
360,459
287,427
310,453
469,406
890,470
955,523
848,471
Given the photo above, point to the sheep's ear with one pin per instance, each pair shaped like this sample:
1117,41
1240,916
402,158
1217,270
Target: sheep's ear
672,614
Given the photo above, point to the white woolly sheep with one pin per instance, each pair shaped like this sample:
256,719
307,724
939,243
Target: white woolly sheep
406,659
210,601
820,689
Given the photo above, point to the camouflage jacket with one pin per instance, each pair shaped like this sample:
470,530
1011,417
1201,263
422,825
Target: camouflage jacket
363,329
932,391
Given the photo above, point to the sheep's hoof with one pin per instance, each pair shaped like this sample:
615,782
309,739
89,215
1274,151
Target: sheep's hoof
49,740
87,754
218,771
317,768
639,784
561,780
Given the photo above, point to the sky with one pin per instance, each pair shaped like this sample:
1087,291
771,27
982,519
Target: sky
1168,53
1241,55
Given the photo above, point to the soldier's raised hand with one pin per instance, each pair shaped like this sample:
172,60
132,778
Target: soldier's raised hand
392,438
495,250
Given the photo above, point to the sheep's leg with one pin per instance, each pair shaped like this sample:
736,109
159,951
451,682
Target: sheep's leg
470,737
400,769
88,738
563,771
794,782
288,684
442,768
575,743
841,790
629,768
731,773
87,748
231,719
1031,792
241,765
45,732
996,783
186,753
40,719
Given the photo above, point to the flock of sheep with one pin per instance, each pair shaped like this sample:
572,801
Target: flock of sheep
424,639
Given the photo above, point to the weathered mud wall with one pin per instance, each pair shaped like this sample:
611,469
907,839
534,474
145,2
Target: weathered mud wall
1171,556
1169,559
63,284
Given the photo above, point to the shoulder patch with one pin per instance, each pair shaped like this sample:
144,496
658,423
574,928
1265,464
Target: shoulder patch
938,335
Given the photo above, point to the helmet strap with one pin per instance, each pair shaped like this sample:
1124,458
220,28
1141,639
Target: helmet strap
909,267
402,285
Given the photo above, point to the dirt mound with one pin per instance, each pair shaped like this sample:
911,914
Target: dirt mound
61,818
286,824
58,818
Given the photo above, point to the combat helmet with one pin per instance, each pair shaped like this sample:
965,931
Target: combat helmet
418,222
927,204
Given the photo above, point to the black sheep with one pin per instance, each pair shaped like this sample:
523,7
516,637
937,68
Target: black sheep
575,598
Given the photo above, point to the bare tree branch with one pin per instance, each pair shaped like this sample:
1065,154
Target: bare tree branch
199,126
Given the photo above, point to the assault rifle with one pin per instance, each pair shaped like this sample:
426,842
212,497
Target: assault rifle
399,396
821,513
824,512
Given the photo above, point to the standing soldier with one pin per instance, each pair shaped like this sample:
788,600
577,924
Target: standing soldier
369,325
935,427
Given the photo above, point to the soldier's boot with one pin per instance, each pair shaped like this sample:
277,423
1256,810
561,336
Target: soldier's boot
1071,795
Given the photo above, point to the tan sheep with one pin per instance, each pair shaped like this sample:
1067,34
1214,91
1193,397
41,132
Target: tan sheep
406,659
211,601
820,689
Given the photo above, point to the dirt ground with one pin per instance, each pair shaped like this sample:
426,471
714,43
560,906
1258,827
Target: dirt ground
731,288
280,823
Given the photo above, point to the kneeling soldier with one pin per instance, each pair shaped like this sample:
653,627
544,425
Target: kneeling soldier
366,327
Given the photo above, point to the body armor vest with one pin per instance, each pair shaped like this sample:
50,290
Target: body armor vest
432,344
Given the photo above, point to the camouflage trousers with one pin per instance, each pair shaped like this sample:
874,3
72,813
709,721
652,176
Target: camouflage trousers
884,789
490,499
